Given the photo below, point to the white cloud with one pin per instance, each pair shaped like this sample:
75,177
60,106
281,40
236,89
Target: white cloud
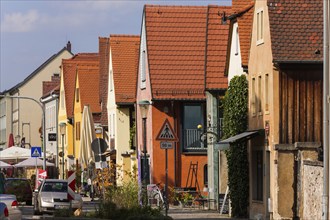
20,22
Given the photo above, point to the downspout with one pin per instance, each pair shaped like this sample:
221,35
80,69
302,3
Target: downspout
325,197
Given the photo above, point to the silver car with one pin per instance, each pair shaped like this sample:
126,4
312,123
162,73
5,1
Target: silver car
53,194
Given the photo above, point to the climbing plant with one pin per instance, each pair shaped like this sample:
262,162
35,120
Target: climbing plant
235,106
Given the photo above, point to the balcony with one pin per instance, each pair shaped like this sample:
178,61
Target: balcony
191,140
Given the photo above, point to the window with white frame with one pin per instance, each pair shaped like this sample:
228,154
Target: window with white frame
260,26
236,42
267,92
253,96
111,80
143,58
260,95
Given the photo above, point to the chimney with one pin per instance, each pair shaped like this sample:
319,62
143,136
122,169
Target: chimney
68,46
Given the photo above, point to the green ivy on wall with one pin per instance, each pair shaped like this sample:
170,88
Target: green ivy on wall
235,105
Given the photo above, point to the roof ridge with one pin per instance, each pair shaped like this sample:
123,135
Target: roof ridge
242,11
124,35
176,6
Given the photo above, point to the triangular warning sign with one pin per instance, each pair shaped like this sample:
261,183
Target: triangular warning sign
166,133
36,152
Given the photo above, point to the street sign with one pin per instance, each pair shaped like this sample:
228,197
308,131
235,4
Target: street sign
166,145
35,151
166,133
52,136
71,184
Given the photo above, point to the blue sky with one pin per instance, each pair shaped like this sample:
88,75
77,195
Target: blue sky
32,31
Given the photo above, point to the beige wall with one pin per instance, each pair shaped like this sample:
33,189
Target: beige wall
31,112
260,65
75,149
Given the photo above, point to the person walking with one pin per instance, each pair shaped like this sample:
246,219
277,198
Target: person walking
90,189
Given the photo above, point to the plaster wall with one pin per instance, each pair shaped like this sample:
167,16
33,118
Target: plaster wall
30,112
235,61
286,184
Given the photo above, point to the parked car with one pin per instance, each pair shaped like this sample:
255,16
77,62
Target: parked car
20,187
3,211
14,213
53,194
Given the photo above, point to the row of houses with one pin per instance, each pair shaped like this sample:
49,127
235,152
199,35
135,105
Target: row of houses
176,72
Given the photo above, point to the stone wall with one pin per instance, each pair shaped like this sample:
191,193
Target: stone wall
312,189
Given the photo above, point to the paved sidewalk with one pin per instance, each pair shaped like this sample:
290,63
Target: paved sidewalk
194,214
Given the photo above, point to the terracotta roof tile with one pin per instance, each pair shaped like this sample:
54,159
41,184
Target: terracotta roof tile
69,76
125,54
88,75
244,12
217,45
178,60
176,50
296,28
104,52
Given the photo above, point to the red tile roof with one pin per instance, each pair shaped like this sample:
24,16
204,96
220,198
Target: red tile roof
217,46
125,55
88,76
104,52
243,10
176,50
296,28
69,76
177,54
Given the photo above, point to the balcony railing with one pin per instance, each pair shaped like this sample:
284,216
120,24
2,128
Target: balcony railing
192,139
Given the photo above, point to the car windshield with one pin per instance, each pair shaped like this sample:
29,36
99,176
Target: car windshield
55,187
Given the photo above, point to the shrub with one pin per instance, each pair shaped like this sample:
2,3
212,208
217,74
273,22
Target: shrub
235,122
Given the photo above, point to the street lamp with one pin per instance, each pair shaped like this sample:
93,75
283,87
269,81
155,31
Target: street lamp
144,107
62,131
43,122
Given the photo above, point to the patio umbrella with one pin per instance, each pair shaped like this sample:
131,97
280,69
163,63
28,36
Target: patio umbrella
87,135
31,162
11,140
4,165
15,153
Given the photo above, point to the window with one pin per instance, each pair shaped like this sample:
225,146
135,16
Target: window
259,95
111,80
253,96
77,94
143,59
62,99
205,175
266,92
77,131
237,42
260,27
257,175
193,115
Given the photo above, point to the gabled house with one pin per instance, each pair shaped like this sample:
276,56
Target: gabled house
123,65
49,99
15,114
86,93
181,68
66,105
285,92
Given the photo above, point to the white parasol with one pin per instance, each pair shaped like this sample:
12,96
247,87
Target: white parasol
4,165
87,135
32,162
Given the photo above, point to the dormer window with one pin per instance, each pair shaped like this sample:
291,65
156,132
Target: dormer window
77,94
260,26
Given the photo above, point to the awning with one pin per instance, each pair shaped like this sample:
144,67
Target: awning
224,144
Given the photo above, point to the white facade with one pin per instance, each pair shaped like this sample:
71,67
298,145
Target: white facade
235,60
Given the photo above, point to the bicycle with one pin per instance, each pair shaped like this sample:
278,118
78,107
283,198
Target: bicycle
155,194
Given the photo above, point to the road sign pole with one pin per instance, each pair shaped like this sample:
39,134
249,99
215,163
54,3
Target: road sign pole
166,182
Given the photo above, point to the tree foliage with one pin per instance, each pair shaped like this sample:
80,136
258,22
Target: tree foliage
236,121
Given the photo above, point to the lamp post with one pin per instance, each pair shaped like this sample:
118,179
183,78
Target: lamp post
62,131
43,122
144,107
